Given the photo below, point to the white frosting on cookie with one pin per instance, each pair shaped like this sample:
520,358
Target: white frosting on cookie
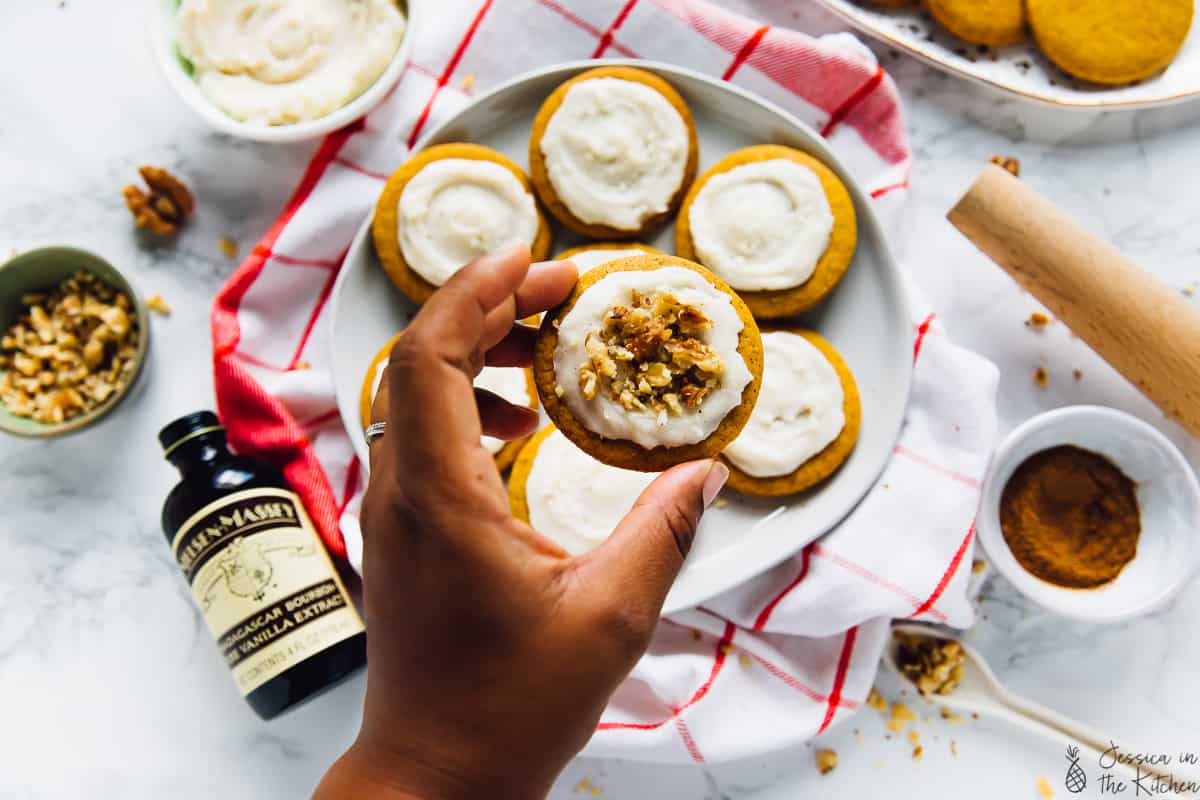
616,152
457,209
763,225
608,418
508,382
576,500
586,259
800,409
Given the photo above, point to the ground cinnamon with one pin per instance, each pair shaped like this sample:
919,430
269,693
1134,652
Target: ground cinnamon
1071,517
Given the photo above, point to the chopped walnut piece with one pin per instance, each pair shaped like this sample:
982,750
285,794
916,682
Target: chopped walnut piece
70,350
876,701
978,566
826,761
228,247
934,665
156,304
1037,320
1041,377
166,205
1009,164
647,356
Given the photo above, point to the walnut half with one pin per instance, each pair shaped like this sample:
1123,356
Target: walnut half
165,207
648,356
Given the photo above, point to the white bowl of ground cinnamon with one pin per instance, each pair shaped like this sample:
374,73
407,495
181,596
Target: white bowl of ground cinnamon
1091,513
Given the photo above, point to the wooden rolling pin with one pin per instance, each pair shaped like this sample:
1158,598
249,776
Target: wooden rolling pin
1135,321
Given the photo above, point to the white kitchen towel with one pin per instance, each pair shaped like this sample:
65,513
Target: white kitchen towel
780,658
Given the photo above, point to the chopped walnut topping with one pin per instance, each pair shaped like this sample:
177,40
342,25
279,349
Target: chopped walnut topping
647,356
934,665
826,761
165,207
71,349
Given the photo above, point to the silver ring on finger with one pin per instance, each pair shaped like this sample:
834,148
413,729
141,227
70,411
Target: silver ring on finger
374,431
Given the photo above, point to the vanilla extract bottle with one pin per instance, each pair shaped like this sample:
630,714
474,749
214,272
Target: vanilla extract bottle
257,569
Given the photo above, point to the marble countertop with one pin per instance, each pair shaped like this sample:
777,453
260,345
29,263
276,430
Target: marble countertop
110,687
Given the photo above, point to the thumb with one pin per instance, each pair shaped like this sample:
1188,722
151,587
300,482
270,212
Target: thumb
646,551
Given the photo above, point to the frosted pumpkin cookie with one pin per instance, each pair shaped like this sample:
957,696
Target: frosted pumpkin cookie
991,22
774,223
594,254
612,152
806,421
568,496
445,207
1111,41
651,361
514,385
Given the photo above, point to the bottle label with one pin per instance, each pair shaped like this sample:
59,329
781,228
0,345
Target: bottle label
264,583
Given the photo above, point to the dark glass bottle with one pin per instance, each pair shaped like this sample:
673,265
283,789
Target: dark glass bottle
257,569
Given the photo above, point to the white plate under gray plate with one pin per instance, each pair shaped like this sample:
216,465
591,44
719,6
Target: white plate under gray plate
1020,69
867,318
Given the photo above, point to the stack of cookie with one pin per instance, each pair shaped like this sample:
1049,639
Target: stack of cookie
654,359
1109,42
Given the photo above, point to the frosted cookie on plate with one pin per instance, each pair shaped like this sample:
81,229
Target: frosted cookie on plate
594,254
612,152
651,361
445,207
513,384
568,496
776,224
806,421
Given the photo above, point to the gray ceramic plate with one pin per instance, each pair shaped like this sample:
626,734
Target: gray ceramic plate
42,269
866,318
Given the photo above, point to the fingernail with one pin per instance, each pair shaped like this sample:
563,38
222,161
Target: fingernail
714,481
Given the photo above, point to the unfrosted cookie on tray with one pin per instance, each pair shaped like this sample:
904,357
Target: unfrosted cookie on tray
612,152
989,22
1111,41
568,496
773,222
513,384
448,205
651,361
806,421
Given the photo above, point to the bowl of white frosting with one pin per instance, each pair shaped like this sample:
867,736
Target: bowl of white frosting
281,70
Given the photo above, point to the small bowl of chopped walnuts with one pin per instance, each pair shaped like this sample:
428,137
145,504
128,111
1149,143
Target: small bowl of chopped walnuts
73,338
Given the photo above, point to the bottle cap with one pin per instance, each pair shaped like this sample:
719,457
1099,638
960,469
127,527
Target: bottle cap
186,428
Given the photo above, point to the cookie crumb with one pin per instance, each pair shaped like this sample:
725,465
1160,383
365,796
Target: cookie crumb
228,247
1044,789
1078,373
978,566
826,761
1037,320
159,306
1041,377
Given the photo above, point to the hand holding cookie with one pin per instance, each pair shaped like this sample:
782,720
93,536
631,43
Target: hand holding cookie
477,622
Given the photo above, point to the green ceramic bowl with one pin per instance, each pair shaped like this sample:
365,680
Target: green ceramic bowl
41,270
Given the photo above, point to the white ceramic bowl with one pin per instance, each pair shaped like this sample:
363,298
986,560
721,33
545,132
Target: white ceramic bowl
162,39
1167,492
